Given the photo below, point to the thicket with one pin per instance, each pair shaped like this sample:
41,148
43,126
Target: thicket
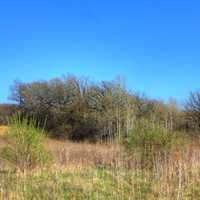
79,109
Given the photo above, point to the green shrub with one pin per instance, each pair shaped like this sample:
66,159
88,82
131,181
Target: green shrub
148,133
148,139
25,149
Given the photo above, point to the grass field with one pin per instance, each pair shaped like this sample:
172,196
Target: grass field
103,171
177,180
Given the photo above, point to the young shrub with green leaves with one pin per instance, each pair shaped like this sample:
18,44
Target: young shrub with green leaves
148,139
25,149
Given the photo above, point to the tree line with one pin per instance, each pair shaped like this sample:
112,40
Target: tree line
79,109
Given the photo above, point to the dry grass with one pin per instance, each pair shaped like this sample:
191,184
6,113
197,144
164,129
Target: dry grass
3,130
174,177
84,154
92,171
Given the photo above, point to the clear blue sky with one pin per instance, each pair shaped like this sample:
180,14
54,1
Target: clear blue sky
154,44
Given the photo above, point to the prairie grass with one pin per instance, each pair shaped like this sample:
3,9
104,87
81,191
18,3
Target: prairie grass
105,171
172,181
177,176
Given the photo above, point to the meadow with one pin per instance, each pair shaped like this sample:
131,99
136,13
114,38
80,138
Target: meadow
104,171
69,138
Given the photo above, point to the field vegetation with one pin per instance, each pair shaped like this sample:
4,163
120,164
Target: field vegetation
69,138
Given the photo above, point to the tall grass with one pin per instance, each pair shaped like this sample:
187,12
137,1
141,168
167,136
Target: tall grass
25,149
177,178
102,171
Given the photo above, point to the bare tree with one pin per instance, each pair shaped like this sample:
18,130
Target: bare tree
192,108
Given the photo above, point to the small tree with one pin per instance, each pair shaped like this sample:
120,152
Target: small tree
148,139
192,108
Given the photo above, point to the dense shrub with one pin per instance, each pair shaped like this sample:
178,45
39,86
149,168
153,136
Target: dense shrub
74,108
25,149
148,133
149,139
79,109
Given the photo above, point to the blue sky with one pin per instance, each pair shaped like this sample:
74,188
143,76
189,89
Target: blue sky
154,44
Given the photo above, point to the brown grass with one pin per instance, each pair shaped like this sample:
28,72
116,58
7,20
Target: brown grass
3,130
67,153
84,154
175,174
